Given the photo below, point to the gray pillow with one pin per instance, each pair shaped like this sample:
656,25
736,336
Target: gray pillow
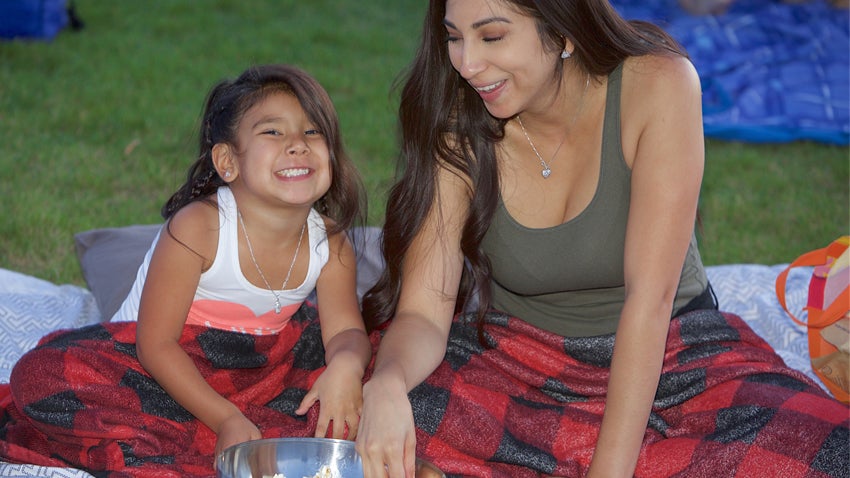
370,261
110,258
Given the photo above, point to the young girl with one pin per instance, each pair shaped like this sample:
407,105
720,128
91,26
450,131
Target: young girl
225,352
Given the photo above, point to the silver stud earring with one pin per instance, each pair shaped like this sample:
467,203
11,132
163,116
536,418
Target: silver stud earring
227,174
565,54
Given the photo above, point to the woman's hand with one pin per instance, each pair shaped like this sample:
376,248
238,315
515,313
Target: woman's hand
233,430
386,440
340,393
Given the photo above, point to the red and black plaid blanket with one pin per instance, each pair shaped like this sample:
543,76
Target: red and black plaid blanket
529,405
81,399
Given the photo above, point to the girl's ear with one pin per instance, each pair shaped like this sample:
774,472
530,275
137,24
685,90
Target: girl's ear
224,162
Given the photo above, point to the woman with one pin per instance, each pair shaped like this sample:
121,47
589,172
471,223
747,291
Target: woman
553,155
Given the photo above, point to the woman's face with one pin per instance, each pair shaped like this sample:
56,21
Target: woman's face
498,51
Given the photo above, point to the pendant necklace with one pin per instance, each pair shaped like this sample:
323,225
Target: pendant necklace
546,169
277,306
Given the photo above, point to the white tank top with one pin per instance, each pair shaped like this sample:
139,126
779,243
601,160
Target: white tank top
225,299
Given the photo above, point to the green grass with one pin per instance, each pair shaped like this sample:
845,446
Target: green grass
97,127
769,203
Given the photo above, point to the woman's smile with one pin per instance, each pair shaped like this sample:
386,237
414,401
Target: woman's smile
492,91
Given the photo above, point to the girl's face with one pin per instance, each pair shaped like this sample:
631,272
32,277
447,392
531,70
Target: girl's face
281,153
499,52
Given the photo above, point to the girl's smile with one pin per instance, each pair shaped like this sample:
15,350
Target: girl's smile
294,173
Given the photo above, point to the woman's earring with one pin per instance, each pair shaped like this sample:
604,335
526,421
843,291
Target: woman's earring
565,54
227,174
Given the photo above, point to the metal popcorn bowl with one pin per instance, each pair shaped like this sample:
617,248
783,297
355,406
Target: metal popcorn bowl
299,458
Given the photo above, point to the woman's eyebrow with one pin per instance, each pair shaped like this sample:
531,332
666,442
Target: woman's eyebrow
479,23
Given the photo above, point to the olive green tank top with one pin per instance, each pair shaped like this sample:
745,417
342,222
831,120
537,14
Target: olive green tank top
569,279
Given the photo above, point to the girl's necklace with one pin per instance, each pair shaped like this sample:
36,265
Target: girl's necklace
277,306
546,169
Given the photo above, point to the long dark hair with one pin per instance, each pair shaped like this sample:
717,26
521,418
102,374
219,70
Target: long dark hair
226,104
444,124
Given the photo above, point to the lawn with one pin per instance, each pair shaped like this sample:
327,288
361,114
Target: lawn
97,126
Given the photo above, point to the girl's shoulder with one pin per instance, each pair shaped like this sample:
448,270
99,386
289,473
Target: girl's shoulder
201,212
196,226
336,240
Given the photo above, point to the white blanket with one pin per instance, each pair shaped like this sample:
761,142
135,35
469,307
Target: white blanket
31,307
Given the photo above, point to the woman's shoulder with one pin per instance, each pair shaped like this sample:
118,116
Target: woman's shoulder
655,74
654,89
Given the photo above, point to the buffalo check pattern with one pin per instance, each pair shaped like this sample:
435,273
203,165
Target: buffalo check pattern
528,403
522,403
81,399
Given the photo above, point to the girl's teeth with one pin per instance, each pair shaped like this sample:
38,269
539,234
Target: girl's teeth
294,172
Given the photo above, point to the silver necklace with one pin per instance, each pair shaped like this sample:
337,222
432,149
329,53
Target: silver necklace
277,306
546,169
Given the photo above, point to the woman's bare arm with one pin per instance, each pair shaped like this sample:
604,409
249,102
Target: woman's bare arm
415,342
667,167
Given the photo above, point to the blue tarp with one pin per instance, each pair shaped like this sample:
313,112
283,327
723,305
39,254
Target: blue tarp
770,71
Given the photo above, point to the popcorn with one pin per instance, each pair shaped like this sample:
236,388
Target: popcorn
324,472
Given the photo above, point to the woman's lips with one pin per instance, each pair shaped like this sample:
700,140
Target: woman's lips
491,91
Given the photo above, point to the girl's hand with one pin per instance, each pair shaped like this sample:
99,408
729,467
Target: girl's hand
340,393
386,440
235,429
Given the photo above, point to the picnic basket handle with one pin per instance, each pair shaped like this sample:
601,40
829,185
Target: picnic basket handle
838,307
